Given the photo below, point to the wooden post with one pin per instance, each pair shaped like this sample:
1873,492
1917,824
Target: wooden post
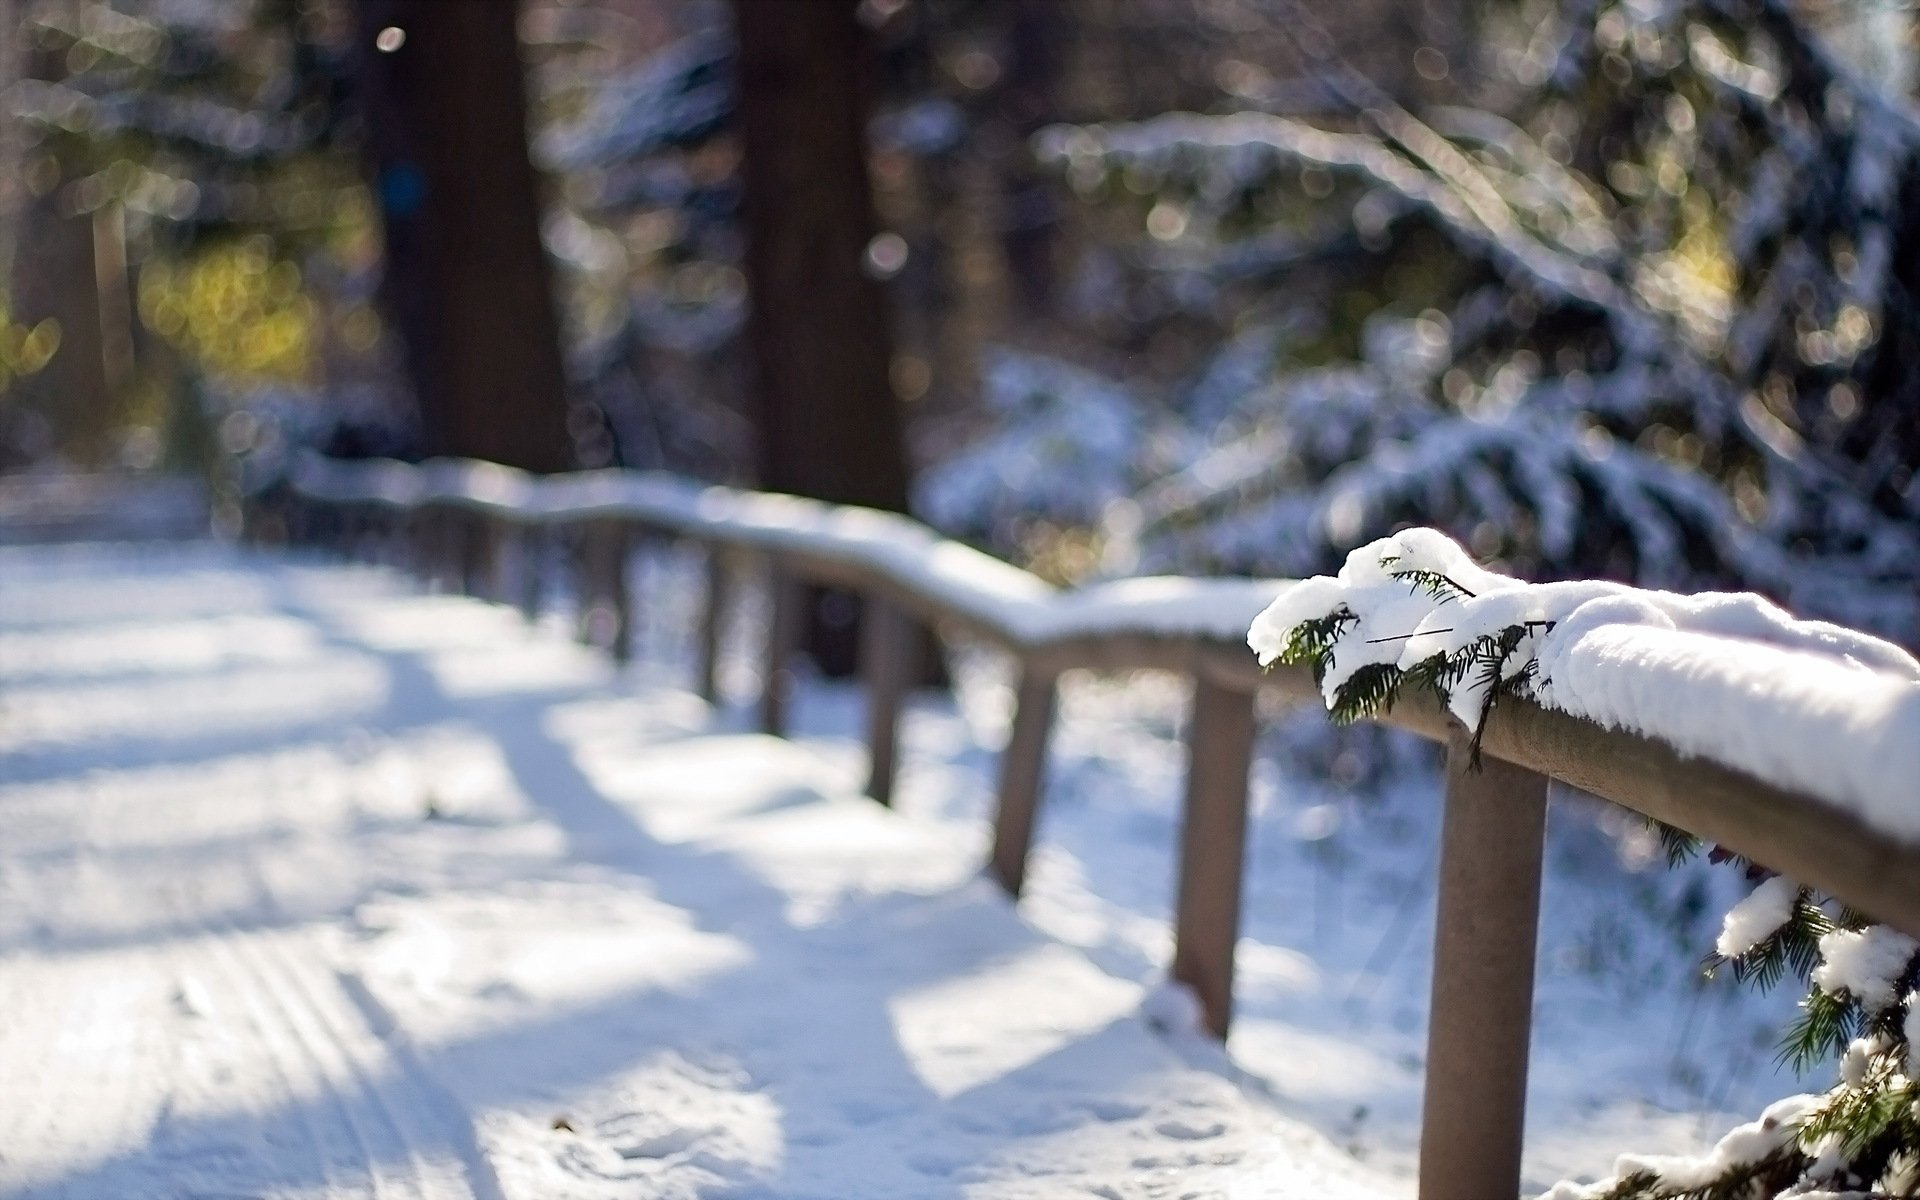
620,544
411,542
1213,840
425,538
785,623
606,605
347,522
719,596
580,548
529,542
473,555
887,645
496,532
1022,765
1481,1014
446,549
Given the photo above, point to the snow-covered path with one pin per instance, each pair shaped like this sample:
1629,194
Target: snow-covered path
313,886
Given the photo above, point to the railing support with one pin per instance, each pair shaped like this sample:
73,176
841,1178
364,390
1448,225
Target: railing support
428,537
787,598
719,598
478,554
887,645
1480,1019
606,602
529,541
1022,764
1213,838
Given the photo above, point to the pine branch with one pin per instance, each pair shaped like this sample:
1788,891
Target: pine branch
1490,656
1822,1030
1860,1116
1370,691
1678,843
1312,641
1793,948
1767,1176
1437,673
1403,637
1438,584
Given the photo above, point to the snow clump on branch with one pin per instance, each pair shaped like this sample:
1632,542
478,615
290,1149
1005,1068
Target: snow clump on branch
1726,676
1758,917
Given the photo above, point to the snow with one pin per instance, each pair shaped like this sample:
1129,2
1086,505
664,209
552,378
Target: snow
1727,677
483,917
1749,1143
1858,1058
1173,1008
1065,445
1866,964
60,505
1758,917
994,594
1521,432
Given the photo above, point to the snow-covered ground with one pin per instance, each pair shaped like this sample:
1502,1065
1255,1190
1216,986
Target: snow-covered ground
313,886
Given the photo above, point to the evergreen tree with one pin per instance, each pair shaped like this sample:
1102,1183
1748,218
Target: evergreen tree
1646,325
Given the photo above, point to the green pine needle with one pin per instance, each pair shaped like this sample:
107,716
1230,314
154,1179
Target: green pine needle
1436,584
1822,1030
1371,690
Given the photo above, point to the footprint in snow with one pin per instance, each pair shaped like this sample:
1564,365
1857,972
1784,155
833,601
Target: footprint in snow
1115,1110
1189,1131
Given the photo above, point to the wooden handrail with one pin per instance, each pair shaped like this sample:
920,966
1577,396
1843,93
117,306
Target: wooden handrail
457,516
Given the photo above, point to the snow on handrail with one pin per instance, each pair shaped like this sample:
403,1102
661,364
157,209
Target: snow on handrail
1728,677
945,574
1849,742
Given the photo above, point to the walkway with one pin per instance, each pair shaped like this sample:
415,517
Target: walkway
314,886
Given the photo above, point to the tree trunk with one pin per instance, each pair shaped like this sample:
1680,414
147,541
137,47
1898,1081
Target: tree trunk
467,284
1028,101
828,423
57,276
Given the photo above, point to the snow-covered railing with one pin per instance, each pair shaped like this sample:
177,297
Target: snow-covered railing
1748,774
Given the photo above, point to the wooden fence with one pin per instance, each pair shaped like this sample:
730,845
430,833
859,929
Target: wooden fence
474,526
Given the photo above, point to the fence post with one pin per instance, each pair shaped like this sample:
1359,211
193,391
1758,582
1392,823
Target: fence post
1481,1014
580,546
887,645
529,541
1213,839
496,536
788,601
626,546
1022,765
719,595
606,606
475,553
446,542
423,533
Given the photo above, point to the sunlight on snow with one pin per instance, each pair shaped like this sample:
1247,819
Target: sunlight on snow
142,647
1046,995
250,699
688,789
473,962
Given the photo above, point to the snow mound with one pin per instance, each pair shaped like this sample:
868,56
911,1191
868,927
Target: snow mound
1743,1145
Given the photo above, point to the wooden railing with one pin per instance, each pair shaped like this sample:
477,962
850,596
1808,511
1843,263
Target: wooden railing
473,526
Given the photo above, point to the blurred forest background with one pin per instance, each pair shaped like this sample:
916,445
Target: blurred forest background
1621,288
